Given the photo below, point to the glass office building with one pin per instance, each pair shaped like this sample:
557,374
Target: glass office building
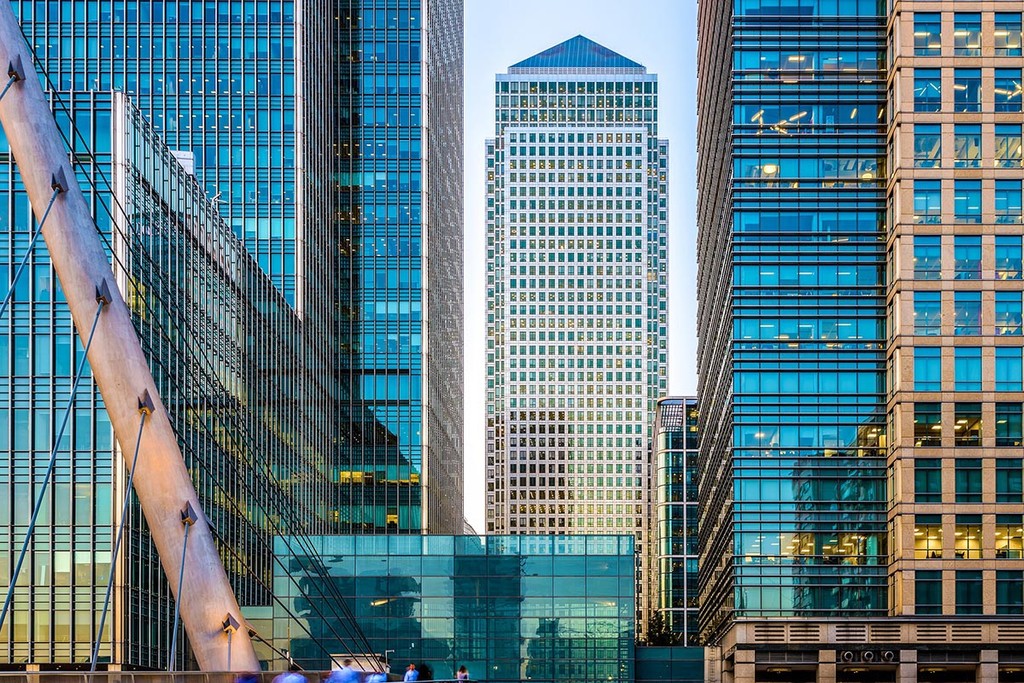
247,93
225,351
675,518
399,279
576,294
858,174
509,608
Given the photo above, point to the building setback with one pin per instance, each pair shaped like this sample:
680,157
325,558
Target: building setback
576,294
859,289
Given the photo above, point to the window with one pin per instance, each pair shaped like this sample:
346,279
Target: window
928,368
1009,537
967,201
927,537
967,428
967,90
967,145
967,34
927,201
928,592
966,313
968,480
967,257
968,592
967,368
1008,368
1008,201
927,90
927,313
927,257
967,537
927,480
1008,313
1008,477
927,34
927,145
1008,257
1010,592
1009,426
1006,88
927,425
1007,35
1008,145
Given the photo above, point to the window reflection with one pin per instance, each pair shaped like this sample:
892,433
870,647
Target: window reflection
967,34
1006,37
967,146
927,34
927,145
1008,146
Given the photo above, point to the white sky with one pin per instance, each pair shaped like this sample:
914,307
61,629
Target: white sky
661,35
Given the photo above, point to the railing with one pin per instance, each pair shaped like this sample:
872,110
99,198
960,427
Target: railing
181,677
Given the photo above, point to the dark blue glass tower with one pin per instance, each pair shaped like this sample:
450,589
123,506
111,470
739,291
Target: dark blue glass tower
792,308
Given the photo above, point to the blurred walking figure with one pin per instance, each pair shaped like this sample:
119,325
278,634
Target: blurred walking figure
411,674
293,675
346,674
462,674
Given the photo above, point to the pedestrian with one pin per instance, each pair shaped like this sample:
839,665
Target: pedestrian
293,675
462,674
411,674
346,674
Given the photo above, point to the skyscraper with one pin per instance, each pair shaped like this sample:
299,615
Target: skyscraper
576,293
319,165
399,295
675,518
859,170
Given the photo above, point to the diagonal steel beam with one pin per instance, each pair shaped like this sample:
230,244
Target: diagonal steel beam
119,366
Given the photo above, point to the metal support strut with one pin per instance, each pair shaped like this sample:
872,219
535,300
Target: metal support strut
59,185
188,519
145,409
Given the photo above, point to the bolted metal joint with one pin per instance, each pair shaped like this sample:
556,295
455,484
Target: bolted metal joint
189,515
15,71
145,403
103,293
58,181
229,624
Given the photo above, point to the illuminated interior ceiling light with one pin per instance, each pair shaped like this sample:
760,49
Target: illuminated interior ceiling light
770,169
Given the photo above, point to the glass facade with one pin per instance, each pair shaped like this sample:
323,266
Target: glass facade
399,279
225,351
860,362
248,97
803,438
675,540
509,608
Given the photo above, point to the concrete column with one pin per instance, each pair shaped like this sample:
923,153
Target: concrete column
744,670
906,671
826,666
988,666
120,368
